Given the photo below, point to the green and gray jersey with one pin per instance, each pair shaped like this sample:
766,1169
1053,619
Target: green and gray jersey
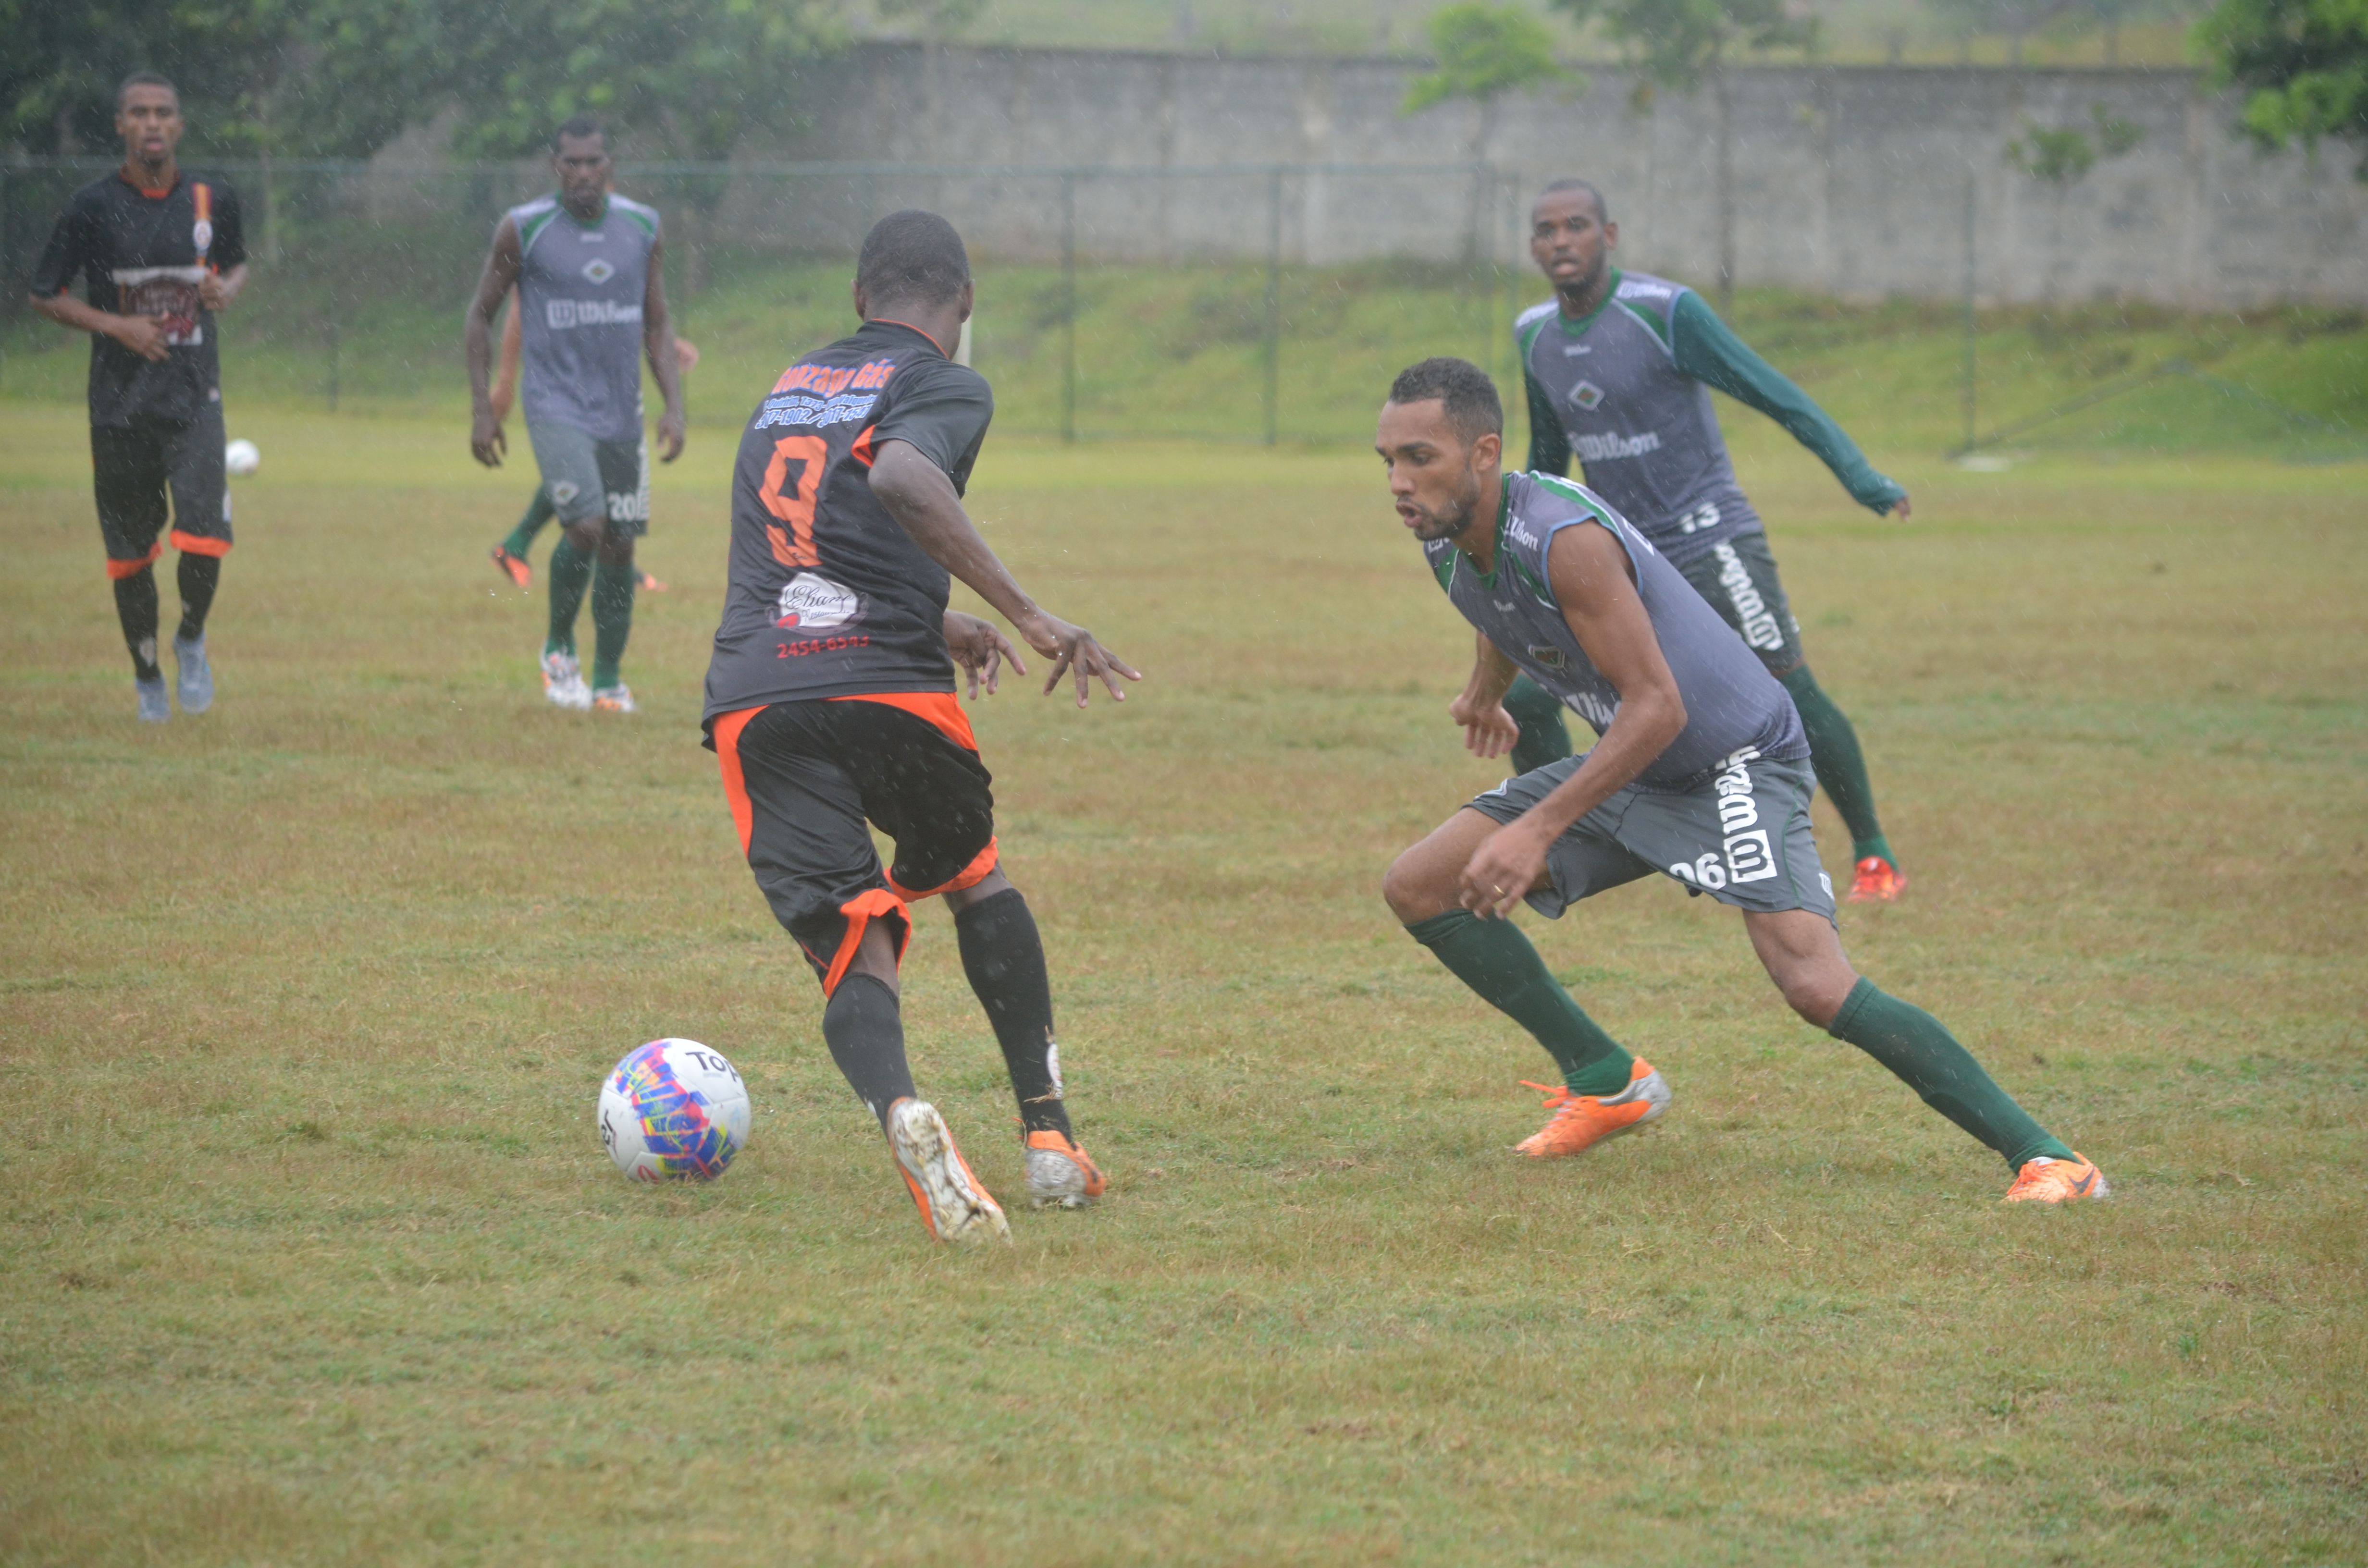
580,291
1627,389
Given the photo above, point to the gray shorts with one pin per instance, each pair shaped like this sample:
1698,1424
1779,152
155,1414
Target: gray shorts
1741,836
591,478
1739,577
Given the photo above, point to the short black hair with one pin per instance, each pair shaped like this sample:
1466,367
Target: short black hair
913,256
1602,208
144,79
1469,396
580,125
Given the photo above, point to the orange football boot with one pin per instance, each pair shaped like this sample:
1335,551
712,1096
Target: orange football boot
1581,1121
954,1206
513,566
2046,1180
651,584
1060,1174
1877,880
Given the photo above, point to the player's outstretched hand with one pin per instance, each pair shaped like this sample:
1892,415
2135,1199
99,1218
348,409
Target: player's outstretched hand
669,436
1899,508
1509,863
1489,732
979,645
1073,649
487,440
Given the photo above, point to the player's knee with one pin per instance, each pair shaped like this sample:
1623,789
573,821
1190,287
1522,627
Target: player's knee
1815,990
1407,888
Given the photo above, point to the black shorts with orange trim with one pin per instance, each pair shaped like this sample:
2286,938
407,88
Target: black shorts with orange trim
804,778
135,469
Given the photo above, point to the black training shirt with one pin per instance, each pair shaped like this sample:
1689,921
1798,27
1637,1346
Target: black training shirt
829,597
143,253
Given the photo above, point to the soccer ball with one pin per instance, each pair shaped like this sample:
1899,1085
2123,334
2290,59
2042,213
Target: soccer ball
673,1110
240,457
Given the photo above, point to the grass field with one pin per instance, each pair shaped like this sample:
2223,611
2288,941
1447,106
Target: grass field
309,1253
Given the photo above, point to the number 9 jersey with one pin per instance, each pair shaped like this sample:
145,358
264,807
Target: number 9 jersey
828,596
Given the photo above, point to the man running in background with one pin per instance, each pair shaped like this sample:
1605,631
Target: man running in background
511,555
1617,367
159,251
588,269
1699,776
830,705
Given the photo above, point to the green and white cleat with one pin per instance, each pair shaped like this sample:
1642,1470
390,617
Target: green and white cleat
618,698
953,1206
562,682
197,677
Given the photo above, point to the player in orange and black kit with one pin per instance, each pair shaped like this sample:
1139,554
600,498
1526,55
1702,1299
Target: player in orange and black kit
830,703
160,251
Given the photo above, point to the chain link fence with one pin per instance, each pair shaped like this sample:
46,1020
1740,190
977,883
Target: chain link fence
1267,303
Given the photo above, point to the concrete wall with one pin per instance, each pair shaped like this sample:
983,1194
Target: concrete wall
1844,181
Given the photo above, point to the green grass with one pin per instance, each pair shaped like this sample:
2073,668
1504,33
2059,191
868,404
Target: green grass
309,1251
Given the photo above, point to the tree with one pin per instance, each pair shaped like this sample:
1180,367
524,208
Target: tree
1681,45
2304,66
1483,52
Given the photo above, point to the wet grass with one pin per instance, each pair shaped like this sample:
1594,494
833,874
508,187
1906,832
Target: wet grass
309,1251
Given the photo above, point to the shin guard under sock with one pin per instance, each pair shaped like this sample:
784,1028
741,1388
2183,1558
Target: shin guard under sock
1544,736
1841,766
571,573
1004,957
612,619
865,1030
1927,1058
199,575
1496,961
539,512
135,607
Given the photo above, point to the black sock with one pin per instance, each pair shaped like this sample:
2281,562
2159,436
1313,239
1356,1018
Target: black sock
1004,957
865,1031
135,607
200,574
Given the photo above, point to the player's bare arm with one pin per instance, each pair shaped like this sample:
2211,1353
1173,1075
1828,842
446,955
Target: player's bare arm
921,498
1589,571
658,342
503,263
144,335
1489,730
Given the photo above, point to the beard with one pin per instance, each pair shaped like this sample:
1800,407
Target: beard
1452,517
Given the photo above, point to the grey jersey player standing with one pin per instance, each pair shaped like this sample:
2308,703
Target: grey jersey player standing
1698,776
1619,368
588,268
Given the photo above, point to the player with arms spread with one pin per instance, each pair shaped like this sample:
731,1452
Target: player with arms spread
1617,367
159,252
830,703
1699,775
589,271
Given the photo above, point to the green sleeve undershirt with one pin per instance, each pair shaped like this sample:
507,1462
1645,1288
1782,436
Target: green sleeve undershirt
1709,351
1549,448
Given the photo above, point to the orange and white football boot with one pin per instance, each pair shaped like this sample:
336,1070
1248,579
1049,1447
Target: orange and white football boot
1877,880
513,567
954,1206
2046,1180
1581,1121
1060,1174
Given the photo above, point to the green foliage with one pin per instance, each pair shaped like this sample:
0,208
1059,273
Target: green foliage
2064,156
1679,42
1483,52
2304,64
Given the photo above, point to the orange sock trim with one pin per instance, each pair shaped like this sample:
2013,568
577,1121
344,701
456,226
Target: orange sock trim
197,544
119,570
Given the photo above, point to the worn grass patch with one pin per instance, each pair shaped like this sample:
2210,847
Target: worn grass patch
309,1251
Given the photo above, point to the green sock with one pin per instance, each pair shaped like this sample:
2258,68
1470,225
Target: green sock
571,573
612,619
1545,737
538,511
1841,766
1927,1058
1494,958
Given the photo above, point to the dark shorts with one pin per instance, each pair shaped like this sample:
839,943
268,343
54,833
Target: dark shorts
134,470
1739,577
1741,836
803,778
588,478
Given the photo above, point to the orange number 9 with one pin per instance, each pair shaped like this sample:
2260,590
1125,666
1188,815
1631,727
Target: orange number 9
796,548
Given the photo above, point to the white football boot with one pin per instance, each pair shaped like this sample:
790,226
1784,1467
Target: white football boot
953,1205
562,682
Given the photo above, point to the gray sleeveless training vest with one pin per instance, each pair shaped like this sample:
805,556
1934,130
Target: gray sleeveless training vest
1643,429
580,291
1732,702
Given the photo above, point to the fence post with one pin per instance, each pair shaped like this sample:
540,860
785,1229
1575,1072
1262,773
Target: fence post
1273,303
1969,393
333,359
1069,306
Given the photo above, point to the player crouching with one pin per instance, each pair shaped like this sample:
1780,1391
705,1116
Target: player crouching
830,704
1702,773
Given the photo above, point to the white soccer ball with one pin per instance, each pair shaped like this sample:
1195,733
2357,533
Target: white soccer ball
674,1110
240,457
